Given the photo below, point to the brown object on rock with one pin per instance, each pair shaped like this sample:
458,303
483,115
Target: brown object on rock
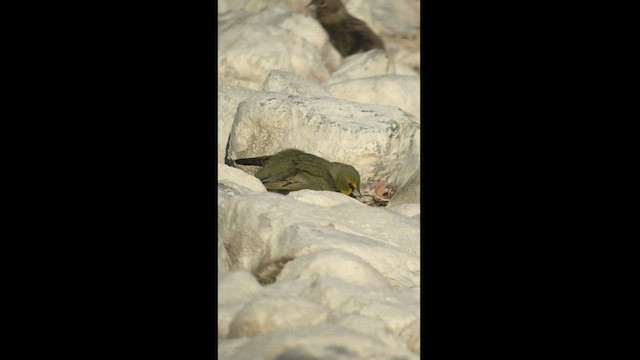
348,34
268,273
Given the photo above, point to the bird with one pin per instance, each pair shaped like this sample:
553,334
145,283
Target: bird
293,169
349,35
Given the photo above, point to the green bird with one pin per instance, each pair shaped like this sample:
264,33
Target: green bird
291,170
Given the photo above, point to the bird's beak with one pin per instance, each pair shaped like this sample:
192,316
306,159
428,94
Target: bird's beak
355,193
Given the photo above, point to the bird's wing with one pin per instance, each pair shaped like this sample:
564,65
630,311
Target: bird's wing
302,180
354,23
257,161
302,172
351,35
271,174
363,34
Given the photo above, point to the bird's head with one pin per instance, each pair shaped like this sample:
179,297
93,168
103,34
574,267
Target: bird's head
346,178
326,8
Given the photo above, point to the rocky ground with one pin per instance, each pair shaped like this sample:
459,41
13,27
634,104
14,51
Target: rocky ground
319,275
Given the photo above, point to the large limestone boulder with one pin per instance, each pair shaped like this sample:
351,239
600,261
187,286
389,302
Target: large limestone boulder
381,142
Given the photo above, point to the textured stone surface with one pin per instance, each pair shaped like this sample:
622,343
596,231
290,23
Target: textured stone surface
265,227
248,52
235,290
371,63
409,193
288,83
322,341
229,97
270,313
410,210
394,90
336,263
239,180
381,142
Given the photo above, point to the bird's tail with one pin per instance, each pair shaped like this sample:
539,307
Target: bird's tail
256,161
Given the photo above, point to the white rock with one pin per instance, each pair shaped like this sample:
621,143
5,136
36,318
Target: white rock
229,97
265,227
248,52
305,27
373,328
411,335
400,268
230,5
268,313
322,198
331,57
394,17
334,263
409,193
297,6
409,210
405,70
228,349
230,190
236,286
406,55
237,178
288,83
396,308
258,5
249,6
235,290
261,222
381,142
363,65
393,90
311,30
224,264
323,341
